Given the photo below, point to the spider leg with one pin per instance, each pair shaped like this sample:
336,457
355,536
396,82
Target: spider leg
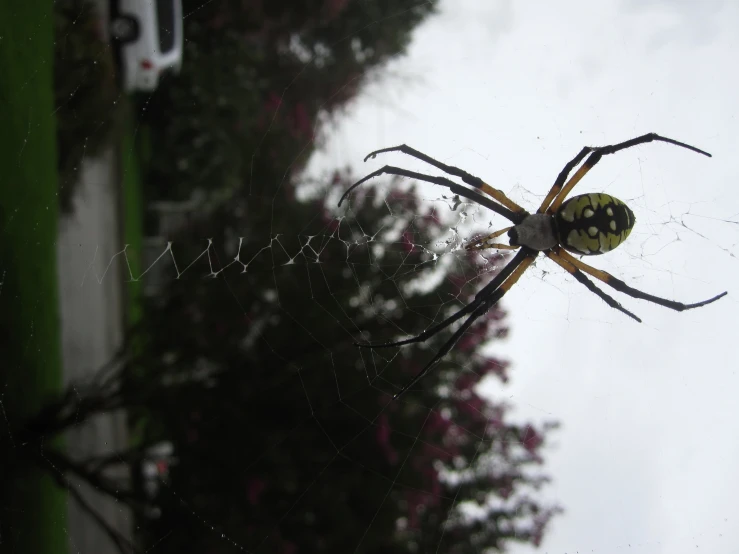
558,192
502,275
620,286
496,245
428,333
444,182
580,276
468,178
444,350
562,177
486,303
483,243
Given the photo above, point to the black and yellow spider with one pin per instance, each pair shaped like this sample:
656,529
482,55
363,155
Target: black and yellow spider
587,224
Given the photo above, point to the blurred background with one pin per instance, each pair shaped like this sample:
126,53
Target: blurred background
180,292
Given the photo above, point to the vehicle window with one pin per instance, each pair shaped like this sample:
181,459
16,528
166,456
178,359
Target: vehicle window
165,19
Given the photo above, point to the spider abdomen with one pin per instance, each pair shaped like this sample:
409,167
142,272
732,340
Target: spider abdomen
591,224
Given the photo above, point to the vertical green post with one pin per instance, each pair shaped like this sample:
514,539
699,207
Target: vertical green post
33,516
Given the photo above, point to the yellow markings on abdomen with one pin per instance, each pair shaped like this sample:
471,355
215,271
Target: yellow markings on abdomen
592,224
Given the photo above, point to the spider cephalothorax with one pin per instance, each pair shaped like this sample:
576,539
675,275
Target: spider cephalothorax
586,224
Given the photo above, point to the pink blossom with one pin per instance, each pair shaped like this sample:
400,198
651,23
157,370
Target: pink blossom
383,430
437,423
192,435
162,467
273,102
254,488
432,218
473,338
301,127
383,439
332,224
289,547
466,381
496,367
406,241
531,440
334,8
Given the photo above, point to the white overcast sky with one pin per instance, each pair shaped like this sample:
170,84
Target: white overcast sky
646,459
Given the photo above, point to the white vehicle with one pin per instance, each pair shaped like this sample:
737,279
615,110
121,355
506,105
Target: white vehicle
149,33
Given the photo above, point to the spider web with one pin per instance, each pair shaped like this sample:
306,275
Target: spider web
572,359
284,256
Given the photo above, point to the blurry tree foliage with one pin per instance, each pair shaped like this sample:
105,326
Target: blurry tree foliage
284,435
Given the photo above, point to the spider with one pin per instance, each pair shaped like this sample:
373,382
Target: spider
586,224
